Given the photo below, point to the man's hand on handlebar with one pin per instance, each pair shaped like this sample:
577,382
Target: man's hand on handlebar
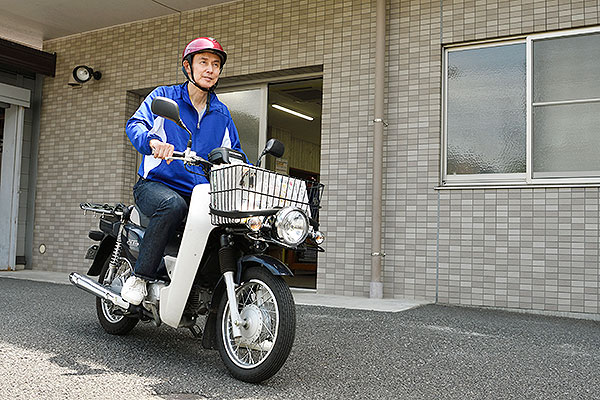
166,151
162,150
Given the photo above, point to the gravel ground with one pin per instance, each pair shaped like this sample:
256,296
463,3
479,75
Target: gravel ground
52,347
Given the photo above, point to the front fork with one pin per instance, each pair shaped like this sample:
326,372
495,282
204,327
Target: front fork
227,255
236,320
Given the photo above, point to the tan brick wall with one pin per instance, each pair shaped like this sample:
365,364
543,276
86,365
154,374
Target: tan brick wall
520,248
84,154
476,20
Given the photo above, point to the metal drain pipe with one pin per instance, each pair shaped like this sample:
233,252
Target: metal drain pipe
377,254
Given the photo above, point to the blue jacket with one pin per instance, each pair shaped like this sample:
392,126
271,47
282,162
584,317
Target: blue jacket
209,131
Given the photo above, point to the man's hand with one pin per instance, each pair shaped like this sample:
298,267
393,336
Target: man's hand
161,150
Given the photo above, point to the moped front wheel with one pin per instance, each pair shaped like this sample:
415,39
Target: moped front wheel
267,308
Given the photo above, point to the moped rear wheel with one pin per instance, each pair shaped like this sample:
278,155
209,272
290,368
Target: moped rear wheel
266,305
113,322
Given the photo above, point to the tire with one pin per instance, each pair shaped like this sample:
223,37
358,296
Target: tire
265,301
112,323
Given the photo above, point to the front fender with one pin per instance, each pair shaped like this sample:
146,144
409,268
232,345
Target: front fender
274,265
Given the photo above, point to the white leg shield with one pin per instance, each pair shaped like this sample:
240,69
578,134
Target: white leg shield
197,229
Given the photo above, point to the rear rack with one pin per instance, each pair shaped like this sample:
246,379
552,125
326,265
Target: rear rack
103,209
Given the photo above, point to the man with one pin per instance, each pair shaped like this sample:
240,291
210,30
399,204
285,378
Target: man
164,188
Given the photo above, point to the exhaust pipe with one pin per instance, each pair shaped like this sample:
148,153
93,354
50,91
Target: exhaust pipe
93,287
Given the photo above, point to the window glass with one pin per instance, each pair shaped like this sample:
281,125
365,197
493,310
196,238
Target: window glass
246,109
486,112
566,68
566,140
565,134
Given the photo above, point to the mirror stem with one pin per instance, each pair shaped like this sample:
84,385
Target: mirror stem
189,143
259,161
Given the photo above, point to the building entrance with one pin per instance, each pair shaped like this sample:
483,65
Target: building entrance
294,117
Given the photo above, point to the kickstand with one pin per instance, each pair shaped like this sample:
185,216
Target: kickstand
196,331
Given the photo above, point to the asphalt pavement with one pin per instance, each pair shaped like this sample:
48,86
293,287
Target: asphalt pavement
52,347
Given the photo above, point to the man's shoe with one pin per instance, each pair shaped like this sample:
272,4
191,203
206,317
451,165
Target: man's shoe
134,290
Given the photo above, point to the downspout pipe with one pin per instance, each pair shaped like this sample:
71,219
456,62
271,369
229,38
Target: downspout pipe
377,254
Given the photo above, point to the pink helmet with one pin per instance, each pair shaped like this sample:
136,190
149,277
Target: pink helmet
203,44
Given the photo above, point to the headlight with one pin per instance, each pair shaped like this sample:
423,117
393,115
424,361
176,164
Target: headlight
291,226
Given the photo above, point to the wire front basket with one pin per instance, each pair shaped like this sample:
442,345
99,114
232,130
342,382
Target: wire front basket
240,190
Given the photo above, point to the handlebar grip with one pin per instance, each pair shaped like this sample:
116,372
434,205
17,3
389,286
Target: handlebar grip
178,154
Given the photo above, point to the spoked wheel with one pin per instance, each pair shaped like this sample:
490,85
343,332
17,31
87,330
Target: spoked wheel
267,307
113,322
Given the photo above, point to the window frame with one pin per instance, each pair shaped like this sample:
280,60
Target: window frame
514,179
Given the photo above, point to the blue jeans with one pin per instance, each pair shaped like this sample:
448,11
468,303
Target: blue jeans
167,209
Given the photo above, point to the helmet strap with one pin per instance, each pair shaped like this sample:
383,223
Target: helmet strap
193,81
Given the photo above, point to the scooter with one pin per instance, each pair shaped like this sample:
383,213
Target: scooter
221,265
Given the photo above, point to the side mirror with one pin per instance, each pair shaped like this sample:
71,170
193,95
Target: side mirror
169,109
274,147
166,108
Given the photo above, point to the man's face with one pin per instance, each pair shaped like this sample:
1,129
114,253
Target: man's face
206,67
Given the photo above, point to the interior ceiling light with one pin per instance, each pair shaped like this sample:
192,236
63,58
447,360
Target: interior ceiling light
83,73
296,113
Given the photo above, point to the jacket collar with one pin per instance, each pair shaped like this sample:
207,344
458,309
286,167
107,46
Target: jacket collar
215,104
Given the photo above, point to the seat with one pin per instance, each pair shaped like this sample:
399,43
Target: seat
138,218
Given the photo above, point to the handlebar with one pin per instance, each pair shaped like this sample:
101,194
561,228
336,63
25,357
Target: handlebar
220,155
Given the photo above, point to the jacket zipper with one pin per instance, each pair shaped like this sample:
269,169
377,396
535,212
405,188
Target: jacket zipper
196,179
203,112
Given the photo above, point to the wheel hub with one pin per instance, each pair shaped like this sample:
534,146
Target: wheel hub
253,322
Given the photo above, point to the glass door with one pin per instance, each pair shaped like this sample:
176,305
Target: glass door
248,107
